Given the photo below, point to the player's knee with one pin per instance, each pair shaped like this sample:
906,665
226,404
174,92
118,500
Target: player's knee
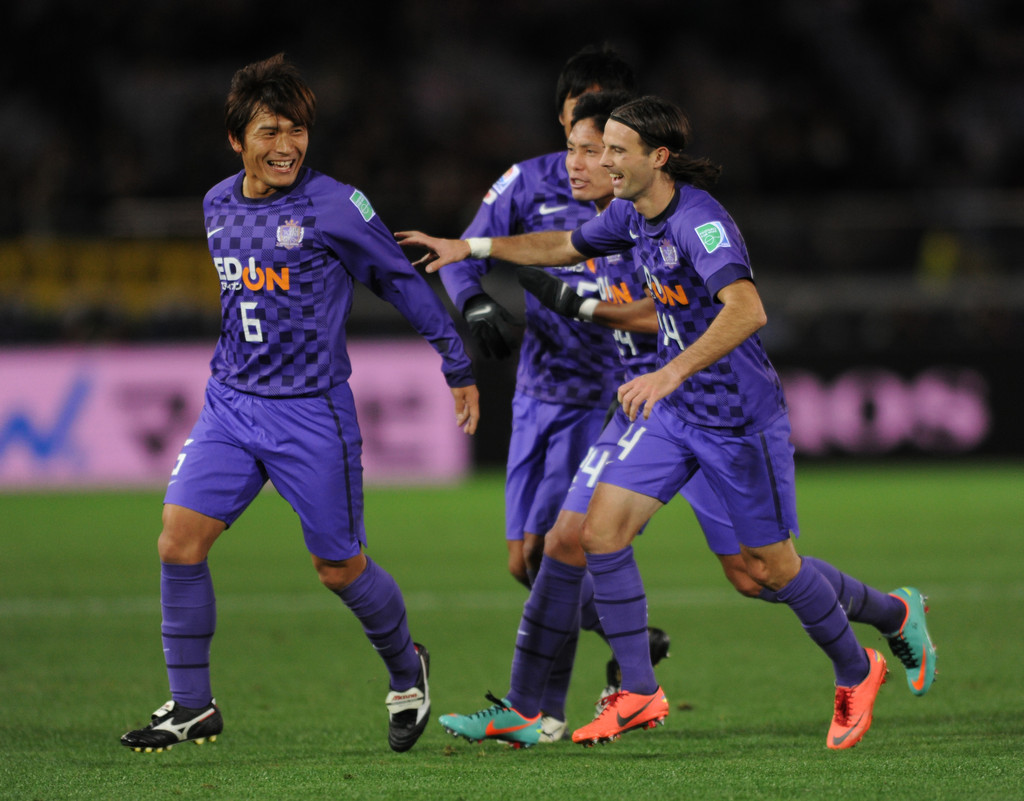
743,582
736,572
337,575
772,576
332,580
568,551
563,541
772,566
591,537
746,586
186,536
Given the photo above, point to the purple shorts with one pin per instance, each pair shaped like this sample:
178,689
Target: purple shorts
548,441
709,510
753,475
310,449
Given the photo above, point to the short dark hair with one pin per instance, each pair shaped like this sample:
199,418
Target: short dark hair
594,65
598,106
274,85
661,123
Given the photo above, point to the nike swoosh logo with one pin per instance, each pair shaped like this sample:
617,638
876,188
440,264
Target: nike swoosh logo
546,209
210,232
633,236
624,720
851,730
922,672
494,731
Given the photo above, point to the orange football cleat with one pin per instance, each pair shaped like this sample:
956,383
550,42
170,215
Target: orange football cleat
854,705
623,712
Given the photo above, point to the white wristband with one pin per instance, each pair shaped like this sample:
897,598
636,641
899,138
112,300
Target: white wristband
587,309
479,246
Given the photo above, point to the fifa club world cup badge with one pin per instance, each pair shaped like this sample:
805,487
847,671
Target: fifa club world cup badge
713,236
289,235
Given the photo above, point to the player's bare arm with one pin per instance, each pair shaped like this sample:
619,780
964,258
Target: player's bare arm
467,407
741,316
638,316
543,247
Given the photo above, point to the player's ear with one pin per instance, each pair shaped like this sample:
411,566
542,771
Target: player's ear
235,144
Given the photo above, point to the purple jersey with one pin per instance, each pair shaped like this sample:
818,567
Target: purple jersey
692,251
619,282
560,361
287,264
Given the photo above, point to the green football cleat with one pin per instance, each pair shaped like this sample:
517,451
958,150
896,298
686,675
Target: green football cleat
911,644
498,722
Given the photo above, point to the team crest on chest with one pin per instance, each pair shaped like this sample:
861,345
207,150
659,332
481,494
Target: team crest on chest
668,251
289,235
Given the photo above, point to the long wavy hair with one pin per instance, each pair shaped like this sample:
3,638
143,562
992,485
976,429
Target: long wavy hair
661,123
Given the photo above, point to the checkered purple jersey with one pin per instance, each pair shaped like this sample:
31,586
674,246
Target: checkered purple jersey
691,251
619,282
561,360
286,265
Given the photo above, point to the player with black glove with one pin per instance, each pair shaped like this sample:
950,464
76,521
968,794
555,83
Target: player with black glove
491,326
560,297
554,293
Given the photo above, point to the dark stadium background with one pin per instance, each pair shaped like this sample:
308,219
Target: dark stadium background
873,156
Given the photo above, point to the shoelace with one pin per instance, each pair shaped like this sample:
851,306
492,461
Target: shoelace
499,706
843,696
609,703
609,700
901,648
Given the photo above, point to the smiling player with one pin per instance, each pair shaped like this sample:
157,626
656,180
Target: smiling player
288,244
715,404
562,585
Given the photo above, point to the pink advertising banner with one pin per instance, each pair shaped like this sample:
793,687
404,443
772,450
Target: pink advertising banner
117,416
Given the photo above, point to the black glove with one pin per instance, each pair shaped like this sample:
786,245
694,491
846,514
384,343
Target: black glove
550,291
491,326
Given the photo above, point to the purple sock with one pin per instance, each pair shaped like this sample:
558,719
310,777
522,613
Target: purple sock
377,602
189,621
862,603
551,618
814,601
589,619
622,605
552,702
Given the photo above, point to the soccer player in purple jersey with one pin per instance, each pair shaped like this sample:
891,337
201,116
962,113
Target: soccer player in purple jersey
715,404
288,243
563,590
567,371
565,379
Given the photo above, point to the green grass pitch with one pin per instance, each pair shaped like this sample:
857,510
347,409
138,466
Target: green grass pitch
302,691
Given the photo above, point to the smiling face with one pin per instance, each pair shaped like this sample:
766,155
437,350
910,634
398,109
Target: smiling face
635,169
272,153
627,160
589,181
